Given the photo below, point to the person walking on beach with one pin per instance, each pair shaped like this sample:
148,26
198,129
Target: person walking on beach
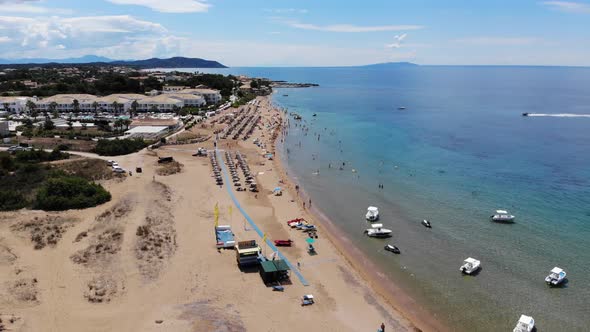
382,327
310,203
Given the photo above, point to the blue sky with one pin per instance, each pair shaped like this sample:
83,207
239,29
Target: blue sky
302,32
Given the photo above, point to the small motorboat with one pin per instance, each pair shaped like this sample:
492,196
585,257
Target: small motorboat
315,114
283,243
525,324
377,230
525,114
426,223
502,216
285,95
556,277
470,266
372,213
401,108
392,248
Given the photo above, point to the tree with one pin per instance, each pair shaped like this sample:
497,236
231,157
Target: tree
133,109
48,125
119,124
95,107
115,105
76,105
55,114
53,108
6,107
175,109
31,106
127,122
70,123
154,109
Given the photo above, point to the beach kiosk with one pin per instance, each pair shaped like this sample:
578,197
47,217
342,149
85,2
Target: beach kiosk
247,253
273,271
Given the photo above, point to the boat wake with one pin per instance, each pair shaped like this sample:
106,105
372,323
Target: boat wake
560,115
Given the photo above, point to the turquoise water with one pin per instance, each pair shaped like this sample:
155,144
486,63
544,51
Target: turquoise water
459,151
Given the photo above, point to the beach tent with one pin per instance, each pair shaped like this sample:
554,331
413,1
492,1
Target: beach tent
273,271
309,240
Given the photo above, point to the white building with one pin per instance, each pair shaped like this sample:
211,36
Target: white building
210,95
15,104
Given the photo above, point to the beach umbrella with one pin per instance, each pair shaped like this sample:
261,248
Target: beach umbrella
309,240
277,189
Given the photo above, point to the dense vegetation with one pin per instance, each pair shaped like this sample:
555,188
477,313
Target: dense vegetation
69,192
101,81
26,182
119,147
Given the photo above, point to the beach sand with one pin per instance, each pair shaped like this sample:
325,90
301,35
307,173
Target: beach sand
146,261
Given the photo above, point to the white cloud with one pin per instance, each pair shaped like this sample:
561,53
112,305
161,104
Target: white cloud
33,37
4,39
398,41
350,27
287,11
25,7
569,6
168,6
497,41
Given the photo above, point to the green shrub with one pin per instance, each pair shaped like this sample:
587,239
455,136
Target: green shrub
119,147
63,193
11,200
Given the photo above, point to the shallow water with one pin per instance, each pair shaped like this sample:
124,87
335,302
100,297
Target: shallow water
459,151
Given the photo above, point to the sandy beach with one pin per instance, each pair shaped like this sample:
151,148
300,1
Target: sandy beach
146,261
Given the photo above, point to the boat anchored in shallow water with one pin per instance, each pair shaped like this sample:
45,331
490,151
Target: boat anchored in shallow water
377,230
392,248
470,266
525,324
556,277
502,216
426,223
372,213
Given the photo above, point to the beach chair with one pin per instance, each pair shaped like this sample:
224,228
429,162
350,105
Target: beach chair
278,288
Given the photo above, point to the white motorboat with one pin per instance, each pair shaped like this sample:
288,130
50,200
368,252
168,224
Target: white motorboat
556,277
372,213
502,216
426,223
525,324
392,248
377,230
470,265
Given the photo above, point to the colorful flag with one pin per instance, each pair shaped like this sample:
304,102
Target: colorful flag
216,214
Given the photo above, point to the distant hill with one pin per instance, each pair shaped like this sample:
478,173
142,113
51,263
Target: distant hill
174,62
391,65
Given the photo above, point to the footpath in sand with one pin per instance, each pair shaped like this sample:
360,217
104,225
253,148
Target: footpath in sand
146,261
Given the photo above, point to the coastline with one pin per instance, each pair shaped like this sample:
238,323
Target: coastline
395,297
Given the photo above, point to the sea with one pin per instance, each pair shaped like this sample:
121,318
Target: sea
450,144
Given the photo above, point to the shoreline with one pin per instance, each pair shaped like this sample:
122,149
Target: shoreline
395,297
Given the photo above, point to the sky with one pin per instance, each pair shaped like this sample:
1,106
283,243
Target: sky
302,32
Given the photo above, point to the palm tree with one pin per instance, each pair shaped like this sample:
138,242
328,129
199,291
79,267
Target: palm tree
115,105
154,109
175,109
70,123
32,106
95,107
76,105
127,122
133,109
119,123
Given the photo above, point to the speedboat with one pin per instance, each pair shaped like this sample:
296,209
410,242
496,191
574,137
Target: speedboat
392,248
525,324
502,216
401,108
426,223
377,230
525,114
372,213
556,277
470,265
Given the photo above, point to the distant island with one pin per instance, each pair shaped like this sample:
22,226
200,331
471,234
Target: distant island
390,65
93,60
